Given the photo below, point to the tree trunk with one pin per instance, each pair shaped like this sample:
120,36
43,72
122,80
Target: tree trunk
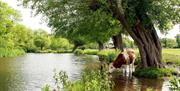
149,46
101,45
75,47
118,42
41,47
145,38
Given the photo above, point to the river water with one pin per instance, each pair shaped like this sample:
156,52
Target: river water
31,71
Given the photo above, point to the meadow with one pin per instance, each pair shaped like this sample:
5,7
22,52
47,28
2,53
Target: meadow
170,56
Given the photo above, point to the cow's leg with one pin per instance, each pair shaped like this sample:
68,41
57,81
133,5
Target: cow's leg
133,68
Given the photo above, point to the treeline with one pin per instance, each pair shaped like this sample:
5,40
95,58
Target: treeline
22,40
16,39
171,43
40,41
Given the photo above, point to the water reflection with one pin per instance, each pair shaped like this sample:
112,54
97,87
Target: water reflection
126,83
30,72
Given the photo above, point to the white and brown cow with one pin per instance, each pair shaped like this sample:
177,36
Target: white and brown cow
124,58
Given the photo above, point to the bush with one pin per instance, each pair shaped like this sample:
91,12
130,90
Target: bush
90,81
6,52
45,88
153,72
91,51
79,52
108,55
87,51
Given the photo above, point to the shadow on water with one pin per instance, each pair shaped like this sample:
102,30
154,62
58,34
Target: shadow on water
130,83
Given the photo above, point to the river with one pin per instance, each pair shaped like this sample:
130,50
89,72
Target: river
31,71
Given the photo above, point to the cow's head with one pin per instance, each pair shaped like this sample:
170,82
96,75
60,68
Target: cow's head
131,53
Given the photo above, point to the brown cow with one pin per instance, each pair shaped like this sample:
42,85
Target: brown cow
123,59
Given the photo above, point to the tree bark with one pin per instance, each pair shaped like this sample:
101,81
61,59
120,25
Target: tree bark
118,42
75,47
145,38
101,45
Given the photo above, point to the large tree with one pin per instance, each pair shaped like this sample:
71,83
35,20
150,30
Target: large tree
8,18
137,17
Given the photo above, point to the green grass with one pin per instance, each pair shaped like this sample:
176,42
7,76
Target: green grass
5,52
168,55
171,56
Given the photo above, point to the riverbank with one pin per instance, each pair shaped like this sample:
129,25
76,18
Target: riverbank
6,52
171,59
169,56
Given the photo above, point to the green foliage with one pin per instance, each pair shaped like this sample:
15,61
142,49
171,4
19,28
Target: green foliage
168,43
153,72
8,17
23,37
6,52
175,84
90,81
41,39
45,88
178,40
91,46
149,89
86,51
108,55
162,13
104,55
79,52
60,43
127,43
78,24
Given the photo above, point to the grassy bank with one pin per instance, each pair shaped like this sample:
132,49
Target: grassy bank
170,56
154,72
5,52
52,51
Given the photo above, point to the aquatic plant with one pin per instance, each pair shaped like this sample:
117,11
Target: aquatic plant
175,84
45,88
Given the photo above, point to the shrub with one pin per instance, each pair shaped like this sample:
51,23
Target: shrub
45,88
108,55
153,72
79,52
90,81
91,51
6,52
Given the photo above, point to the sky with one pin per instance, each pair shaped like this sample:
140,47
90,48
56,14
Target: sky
36,22
27,18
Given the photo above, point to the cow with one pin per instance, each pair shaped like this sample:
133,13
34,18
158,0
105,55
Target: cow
124,58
